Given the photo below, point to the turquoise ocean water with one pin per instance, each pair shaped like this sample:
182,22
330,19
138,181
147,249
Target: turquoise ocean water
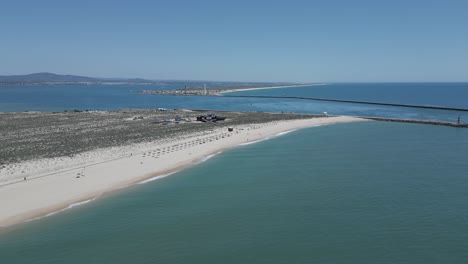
367,192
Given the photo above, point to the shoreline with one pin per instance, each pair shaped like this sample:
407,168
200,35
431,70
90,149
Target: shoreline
271,87
53,192
219,91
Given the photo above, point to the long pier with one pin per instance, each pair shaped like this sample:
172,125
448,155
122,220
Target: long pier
417,121
214,93
387,119
352,102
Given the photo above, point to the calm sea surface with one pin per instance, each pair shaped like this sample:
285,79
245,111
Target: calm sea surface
435,94
368,192
99,97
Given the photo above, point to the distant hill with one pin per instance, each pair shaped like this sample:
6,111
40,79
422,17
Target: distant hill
46,77
52,78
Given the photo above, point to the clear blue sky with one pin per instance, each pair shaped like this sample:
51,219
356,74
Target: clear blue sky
238,40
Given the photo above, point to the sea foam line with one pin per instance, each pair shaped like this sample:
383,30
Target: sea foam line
73,205
156,178
285,132
165,175
208,157
253,142
267,138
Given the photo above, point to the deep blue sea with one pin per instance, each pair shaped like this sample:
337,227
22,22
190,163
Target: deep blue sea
101,97
434,94
365,192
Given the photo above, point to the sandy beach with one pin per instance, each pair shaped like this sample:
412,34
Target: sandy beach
218,91
267,88
54,184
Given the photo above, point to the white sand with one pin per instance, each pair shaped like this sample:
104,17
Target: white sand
52,184
271,87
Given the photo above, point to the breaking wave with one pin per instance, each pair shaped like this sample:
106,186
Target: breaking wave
73,205
156,178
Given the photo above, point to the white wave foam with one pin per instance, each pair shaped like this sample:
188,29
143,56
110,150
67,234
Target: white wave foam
267,138
286,132
156,178
253,142
61,210
165,175
208,157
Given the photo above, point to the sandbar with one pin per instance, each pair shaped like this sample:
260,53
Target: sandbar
82,178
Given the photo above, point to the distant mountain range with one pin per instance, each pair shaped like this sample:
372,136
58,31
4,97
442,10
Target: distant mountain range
51,78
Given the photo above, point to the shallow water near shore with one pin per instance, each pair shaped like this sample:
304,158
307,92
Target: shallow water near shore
367,192
112,97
